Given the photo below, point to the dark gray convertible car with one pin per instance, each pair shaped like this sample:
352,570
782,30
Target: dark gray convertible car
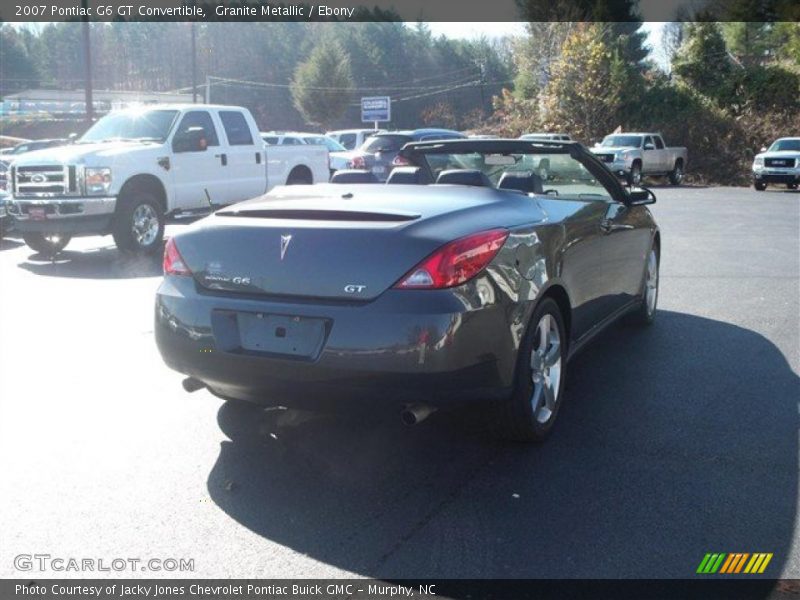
465,277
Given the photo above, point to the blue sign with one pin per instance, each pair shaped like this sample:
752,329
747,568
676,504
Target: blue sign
376,109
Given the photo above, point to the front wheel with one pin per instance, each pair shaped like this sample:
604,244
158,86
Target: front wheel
759,186
635,176
48,244
791,186
139,224
532,409
646,313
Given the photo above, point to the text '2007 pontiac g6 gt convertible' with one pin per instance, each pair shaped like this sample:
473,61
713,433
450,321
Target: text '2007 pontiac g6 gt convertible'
465,277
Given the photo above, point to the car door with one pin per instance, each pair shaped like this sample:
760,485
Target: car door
197,173
246,170
663,154
650,156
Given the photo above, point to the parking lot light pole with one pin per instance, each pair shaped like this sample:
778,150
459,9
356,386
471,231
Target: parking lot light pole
87,60
194,64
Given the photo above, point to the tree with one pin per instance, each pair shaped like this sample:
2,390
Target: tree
323,84
586,93
703,62
17,69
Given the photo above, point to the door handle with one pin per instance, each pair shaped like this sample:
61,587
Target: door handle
223,158
607,226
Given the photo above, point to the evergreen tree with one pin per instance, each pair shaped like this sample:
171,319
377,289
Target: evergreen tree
321,87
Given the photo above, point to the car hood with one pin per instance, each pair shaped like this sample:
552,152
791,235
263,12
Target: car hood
779,154
84,153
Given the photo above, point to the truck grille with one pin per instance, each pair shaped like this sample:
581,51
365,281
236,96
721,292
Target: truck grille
779,162
45,181
606,157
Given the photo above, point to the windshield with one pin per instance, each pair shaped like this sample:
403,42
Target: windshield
153,125
555,174
610,141
385,143
784,145
321,140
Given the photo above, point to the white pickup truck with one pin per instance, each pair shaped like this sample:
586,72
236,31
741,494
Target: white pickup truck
633,155
135,168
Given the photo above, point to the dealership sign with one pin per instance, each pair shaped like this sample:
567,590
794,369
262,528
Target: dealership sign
376,109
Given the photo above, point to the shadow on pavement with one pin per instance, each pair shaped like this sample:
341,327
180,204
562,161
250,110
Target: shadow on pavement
8,244
674,441
96,263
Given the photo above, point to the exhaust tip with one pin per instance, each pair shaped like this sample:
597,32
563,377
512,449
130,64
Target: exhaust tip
416,413
190,384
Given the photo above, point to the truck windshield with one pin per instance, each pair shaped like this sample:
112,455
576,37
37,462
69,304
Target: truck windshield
784,145
151,125
634,141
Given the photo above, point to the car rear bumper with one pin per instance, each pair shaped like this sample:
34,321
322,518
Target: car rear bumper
405,346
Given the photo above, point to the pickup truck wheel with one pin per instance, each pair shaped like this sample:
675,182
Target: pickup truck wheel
791,186
299,176
544,169
48,244
635,176
759,186
529,414
139,224
676,175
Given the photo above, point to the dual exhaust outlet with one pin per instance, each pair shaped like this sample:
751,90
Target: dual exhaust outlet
412,414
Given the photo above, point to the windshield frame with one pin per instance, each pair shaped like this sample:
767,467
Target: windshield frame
416,153
622,135
773,148
127,113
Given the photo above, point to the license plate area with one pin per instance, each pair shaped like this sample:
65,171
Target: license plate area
37,213
269,334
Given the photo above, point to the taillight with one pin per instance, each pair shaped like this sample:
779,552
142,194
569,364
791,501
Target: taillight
358,162
455,262
173,261
399,161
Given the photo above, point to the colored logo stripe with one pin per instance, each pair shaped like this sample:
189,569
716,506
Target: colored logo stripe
758,563
724,563
711,563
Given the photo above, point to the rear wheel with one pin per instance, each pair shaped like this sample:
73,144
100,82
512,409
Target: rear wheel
532,409
48,244
791,186
139,223
676,175
544,169
299,176
759,186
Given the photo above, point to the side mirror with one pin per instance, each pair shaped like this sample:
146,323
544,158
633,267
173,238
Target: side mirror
649,147
641,196
763,149
191,140
72,137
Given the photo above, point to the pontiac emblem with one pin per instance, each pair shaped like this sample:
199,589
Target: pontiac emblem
285,239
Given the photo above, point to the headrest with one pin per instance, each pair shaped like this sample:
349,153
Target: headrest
464,177
353,176
405,175
526,182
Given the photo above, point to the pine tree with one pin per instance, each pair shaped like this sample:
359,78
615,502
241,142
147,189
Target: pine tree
321,87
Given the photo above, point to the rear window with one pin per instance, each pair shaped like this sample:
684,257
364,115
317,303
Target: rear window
236,128
270,140
385,143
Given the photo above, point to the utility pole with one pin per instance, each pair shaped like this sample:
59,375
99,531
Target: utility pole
194,64
482,66
87,63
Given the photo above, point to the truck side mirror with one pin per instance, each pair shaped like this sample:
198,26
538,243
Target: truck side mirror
72,137
649,147
763,149
191,140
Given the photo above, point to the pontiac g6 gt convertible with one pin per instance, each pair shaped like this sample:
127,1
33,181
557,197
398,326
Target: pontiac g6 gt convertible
465,277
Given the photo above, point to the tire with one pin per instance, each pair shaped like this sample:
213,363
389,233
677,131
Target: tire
646,313
635,176
676,175
543,171
139,223
760,187
48,244
299,177
529,415
791,186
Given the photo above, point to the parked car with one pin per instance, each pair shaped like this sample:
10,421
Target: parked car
134,168
5,219
634,155
462,289
33,145
379,152
558,137
778,164
352,139
282,138
338,155
5,165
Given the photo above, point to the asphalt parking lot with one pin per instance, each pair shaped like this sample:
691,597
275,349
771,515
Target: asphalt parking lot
674,441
